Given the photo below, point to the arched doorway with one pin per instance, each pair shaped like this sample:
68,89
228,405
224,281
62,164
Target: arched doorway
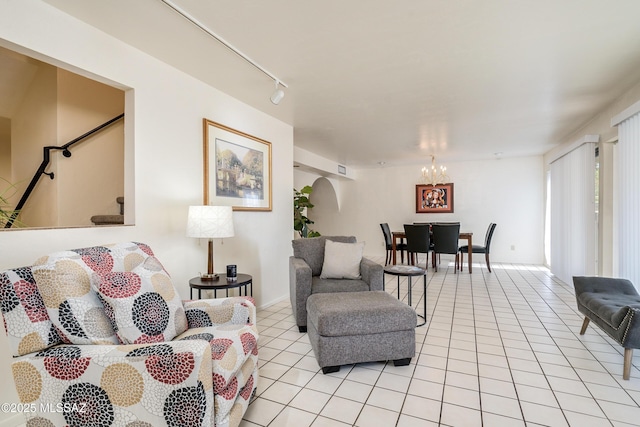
326,208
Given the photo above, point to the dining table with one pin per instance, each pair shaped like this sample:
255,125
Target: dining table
399,235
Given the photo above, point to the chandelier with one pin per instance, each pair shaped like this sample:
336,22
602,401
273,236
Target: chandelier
434,175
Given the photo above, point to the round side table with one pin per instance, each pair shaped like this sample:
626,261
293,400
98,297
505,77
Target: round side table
409,271
243,280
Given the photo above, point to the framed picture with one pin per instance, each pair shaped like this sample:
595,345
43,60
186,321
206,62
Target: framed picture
434,198
237,169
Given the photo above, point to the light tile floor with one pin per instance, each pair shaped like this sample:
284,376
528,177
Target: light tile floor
498,349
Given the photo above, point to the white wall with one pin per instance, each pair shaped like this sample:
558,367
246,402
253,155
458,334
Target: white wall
165,120
508,192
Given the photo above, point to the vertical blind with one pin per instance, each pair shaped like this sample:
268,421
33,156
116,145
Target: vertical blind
573,228
628,216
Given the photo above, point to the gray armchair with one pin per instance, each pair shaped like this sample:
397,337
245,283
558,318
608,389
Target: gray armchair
305,267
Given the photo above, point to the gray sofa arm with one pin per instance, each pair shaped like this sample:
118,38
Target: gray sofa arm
372,273
299,288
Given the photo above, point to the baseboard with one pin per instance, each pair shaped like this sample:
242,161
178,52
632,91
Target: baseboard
270,303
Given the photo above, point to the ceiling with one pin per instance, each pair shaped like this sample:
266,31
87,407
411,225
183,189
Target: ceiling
370,83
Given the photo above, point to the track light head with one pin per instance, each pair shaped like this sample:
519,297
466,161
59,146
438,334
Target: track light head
277,96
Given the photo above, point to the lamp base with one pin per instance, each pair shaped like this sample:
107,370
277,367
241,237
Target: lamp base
209,277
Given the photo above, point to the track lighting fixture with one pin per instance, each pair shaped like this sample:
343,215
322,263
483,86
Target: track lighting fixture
277,96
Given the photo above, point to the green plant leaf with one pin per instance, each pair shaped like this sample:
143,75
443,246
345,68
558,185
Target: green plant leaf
7,213
301,222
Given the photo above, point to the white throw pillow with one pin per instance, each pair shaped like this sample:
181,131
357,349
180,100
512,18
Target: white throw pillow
342,260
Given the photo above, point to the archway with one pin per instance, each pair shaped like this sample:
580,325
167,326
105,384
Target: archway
326,208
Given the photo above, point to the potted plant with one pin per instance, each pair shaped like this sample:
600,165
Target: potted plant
7,213
300,221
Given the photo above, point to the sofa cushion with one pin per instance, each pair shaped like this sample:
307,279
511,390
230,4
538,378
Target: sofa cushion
319,285
311,250
166,384
64,282
342,260
27,321
610,307
139,296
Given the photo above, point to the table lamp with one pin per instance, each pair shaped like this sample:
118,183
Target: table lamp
210,222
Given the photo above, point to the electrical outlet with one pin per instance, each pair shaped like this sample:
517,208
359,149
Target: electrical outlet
513,247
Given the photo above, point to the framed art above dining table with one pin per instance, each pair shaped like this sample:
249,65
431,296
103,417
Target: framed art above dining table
434,198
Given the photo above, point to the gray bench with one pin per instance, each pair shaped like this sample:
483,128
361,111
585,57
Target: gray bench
357,327
613,305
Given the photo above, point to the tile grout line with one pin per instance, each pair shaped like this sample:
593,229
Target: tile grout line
528,291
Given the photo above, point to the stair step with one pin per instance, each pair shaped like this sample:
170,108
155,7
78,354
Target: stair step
107,219
110,219
120,201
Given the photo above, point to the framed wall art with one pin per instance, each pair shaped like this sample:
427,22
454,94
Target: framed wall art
237,169
434,198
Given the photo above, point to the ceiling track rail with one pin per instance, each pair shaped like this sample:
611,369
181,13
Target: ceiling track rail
221,40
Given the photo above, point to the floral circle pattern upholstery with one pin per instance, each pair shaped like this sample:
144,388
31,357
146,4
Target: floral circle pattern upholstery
26,320
64,282
125,390
101,338
141,300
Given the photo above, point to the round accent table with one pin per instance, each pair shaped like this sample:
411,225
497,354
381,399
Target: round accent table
243,280
409,271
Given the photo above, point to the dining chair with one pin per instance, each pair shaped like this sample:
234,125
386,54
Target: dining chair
430,223
445,241
477,249
418,242
402,247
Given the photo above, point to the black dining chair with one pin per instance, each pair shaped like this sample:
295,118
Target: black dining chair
445,241
477,249
418,242
402,247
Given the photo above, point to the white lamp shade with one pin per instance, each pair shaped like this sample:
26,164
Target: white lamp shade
210,222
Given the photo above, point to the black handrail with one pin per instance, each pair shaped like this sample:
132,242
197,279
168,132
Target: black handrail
46,157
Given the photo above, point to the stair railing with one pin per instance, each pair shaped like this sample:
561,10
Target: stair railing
46,158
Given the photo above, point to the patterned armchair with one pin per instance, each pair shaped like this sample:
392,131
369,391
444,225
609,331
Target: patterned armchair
100,337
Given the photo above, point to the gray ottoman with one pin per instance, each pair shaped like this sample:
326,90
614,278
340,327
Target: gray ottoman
356,327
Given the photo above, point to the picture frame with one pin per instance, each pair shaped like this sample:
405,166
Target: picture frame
434,198
237,169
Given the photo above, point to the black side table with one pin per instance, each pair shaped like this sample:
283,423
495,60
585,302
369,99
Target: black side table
409,271
243,280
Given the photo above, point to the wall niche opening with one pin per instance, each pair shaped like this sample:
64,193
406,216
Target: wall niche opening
44,110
